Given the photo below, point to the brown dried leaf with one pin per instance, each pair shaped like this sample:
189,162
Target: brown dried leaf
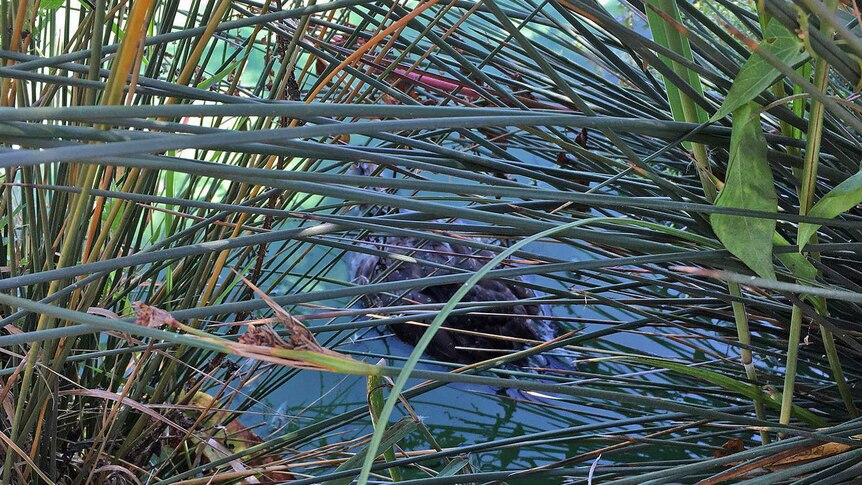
293,91
232,438
264,336
109,470
300,339
583,138
729,448
563,159
102,312
777,461
245,437
811,453
150,316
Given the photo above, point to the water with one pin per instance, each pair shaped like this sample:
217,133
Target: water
459,415
456,414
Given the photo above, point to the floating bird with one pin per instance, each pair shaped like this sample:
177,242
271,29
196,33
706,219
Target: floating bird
464,338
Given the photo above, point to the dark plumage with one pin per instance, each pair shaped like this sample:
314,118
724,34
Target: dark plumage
452,346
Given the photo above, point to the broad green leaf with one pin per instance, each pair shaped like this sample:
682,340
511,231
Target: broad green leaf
801,268
51,4
756,74
843,197
748,185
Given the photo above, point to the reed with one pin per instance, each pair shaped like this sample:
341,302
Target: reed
676,182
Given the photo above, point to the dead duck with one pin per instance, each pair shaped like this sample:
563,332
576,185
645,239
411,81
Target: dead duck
466,338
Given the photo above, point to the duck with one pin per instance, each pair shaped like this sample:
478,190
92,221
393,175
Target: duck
465,338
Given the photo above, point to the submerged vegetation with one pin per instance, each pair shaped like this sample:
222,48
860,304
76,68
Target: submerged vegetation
674,184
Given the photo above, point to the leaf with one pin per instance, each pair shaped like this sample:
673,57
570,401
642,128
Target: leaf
300,338
456,465
374,386
798,264
802,269
756,74
217,77
730,384
811,452
845,196
667,31
391,436
152,317
51,4
748,185
230,437
777,461
729,447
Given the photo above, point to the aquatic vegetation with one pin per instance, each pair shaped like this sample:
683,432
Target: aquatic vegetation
197,286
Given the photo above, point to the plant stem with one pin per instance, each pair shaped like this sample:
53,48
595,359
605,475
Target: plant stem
790,368
683,108
744,335
806,201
